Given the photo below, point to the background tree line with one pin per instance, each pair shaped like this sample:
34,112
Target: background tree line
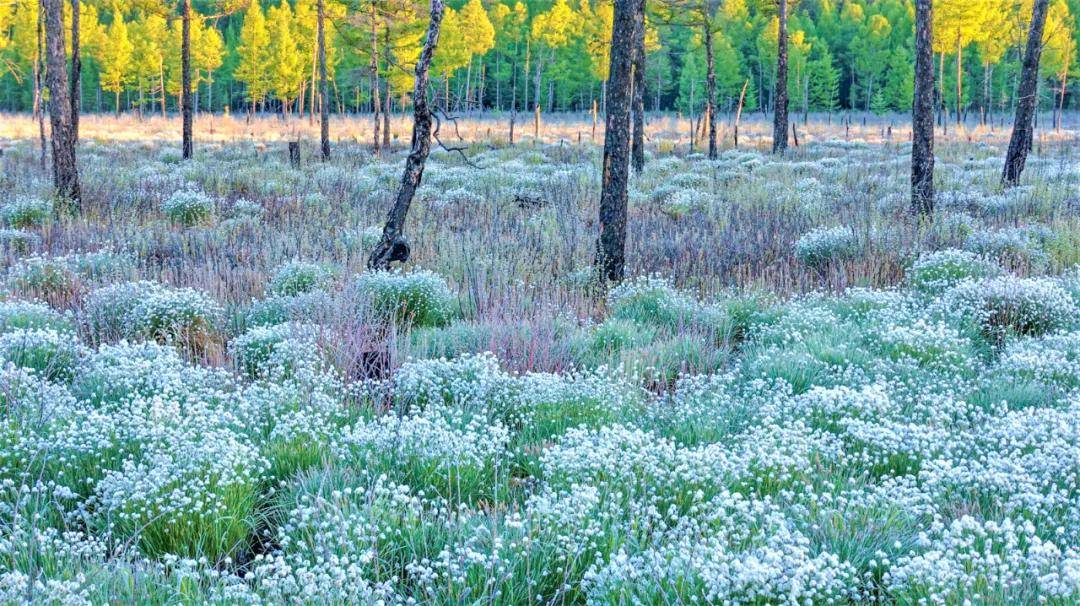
259,55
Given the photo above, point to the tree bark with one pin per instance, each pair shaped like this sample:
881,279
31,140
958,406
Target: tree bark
710,81
386,97
611,244
780,108
637,145
324,118
76,73
959,81
922,120
185,77
65,170
393,246
39,84
374,67
1020,141
738,110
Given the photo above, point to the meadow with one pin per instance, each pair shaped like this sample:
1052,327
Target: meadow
803,395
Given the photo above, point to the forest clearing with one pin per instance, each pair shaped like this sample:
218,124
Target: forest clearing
461,350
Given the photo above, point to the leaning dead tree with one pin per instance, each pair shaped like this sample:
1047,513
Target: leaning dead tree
65,170
611,244
185,77
922,113
1026,98
393,246
324,117
637,146
780,115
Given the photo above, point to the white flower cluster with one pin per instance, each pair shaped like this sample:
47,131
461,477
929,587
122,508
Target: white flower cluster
820,247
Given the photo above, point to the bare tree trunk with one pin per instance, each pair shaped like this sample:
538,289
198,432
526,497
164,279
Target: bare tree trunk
393,246
324,127
1061,96
76,73
922,120
374,67
1020,141
781,97
611,244
637,144
185,77
65,170
39,84
386,97
738,110
959,81
710,95
161,81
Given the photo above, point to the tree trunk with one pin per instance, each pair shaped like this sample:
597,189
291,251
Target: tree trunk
611,244
1061,95
738,110
324,127
922,119
393,246
76,73
39,84
1020,141
959,81
161,81
65,170
780,97
710,94
386,97
185,77
637,145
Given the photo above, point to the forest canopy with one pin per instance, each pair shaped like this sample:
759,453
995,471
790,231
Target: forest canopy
259,55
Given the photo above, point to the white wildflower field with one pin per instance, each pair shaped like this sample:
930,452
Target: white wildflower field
801,395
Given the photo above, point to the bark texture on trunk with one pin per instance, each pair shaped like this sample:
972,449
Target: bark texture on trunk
710,82
637,146
76,73
780,97
1026,97
324,117
611,244
185,77
393,246
374,67
922,116
65,170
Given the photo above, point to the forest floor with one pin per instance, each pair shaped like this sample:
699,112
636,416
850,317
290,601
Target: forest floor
800,395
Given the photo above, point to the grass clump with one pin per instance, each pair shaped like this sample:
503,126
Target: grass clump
415,298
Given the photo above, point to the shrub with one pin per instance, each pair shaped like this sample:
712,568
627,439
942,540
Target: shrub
936,272
43,277
298,277
417,298
821,247
31,315
1007,304
1012,246
654,300
188,207
54,355
25,212
313,307
276,351
194,498
18,241
148,310
106,311
102,266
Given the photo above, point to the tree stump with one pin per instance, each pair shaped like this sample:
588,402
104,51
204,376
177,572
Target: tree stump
294,154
